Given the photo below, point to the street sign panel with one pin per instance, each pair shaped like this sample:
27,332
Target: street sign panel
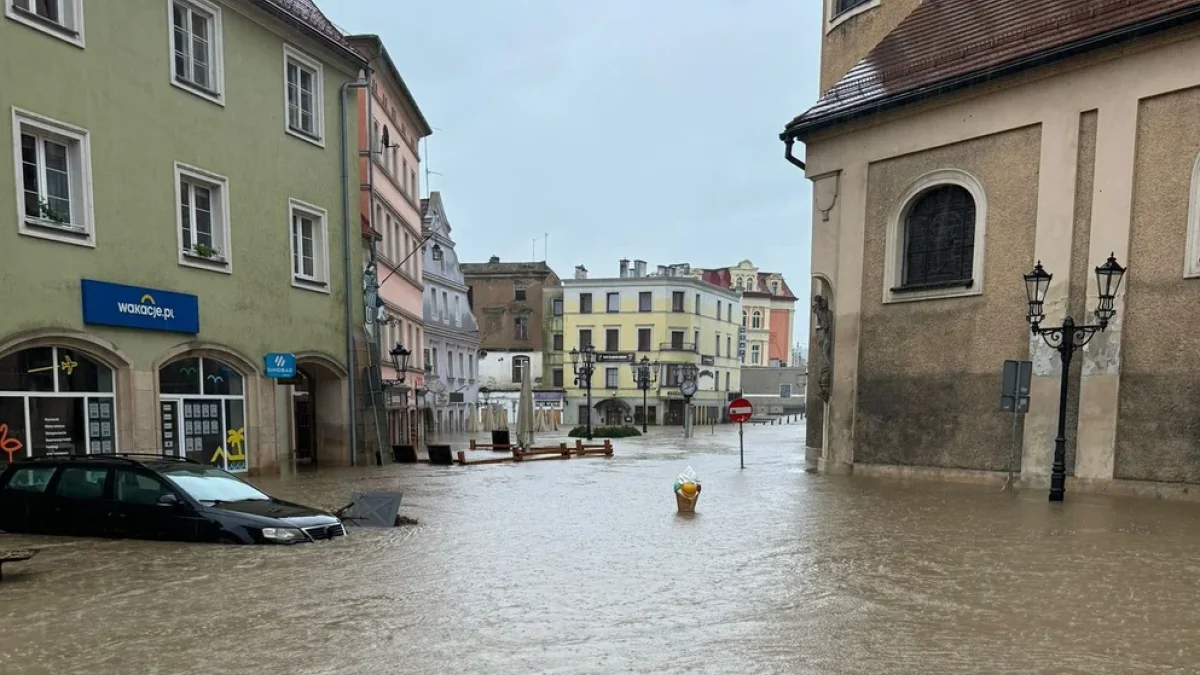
740,410
280,366
1014,397
615,357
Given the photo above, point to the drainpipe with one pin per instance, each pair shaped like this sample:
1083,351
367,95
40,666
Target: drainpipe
347,243
787,153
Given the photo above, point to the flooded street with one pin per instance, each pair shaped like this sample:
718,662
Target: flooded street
583,566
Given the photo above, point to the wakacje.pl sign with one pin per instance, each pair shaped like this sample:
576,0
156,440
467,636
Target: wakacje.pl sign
106,304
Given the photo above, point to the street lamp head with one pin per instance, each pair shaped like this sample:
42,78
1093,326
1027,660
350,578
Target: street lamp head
574,357
400,359
1037,283
1108,282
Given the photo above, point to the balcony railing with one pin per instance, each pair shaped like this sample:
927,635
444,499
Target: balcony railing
677,347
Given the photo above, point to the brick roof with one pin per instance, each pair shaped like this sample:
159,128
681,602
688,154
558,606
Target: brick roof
493,269
945,45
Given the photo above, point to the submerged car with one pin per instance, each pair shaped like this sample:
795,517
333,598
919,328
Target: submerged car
150,497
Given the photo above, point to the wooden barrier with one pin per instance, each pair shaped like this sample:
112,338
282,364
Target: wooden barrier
604,448
503,447
533,454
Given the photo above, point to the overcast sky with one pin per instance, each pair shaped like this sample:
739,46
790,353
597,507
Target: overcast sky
622,128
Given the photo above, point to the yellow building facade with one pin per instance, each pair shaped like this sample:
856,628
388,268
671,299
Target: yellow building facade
670,319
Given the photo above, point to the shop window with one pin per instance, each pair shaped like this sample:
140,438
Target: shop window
202,412
55,401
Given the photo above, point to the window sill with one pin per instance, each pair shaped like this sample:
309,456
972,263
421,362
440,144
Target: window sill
52,28
196,90
315,139
310,285
933,291
210,263
48,229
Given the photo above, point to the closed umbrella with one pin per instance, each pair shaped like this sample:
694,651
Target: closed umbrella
525,411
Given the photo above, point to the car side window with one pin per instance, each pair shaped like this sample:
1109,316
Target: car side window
31,479
134,487
81,483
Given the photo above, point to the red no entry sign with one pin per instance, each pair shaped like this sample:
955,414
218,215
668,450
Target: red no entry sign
740,410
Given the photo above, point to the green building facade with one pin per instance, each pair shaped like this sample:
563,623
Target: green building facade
174,211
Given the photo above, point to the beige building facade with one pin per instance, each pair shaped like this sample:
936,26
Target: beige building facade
942,172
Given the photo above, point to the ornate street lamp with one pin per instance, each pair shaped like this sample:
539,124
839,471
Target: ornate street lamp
645,373
1065,340
400,359
583,363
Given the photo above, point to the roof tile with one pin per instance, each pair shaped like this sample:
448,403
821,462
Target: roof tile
944,41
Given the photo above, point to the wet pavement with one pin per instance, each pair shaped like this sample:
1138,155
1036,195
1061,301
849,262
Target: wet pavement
583,566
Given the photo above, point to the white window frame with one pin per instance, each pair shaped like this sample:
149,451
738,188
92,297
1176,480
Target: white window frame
223,262
1191,261
893,270
81,231
320,282
290,54
216,40
832,22
69,30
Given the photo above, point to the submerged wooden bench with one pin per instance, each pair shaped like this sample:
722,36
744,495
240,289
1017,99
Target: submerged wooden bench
20,555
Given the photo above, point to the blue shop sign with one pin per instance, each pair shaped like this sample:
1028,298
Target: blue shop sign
108,304
280,366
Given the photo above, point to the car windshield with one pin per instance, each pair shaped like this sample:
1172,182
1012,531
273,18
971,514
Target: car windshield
213,485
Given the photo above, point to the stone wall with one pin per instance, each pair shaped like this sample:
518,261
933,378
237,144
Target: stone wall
929,371
1158,426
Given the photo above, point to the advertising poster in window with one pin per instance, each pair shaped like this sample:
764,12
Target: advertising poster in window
58,426
202,428
14,444
101,426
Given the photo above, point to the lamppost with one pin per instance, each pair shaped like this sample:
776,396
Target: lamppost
583,363
400,360
1065,339
688,374
645,374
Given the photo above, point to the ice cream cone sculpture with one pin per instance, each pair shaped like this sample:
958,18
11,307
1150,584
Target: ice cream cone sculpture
687,490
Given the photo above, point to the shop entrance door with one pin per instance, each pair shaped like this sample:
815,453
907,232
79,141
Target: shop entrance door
304,420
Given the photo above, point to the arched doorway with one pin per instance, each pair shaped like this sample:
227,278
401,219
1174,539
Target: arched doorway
304,418
320,430
202,412
613,411
56,401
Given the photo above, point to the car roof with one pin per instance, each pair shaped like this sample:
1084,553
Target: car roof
149,461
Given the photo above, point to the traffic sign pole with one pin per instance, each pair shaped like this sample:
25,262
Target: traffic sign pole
740,411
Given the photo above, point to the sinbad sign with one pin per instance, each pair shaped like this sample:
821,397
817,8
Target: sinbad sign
107,304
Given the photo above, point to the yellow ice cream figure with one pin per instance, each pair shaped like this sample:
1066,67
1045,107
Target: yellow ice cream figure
687,491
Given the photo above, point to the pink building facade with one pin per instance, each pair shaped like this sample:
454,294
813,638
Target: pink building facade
391,127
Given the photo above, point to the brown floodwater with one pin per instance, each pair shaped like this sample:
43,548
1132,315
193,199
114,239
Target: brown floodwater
583,566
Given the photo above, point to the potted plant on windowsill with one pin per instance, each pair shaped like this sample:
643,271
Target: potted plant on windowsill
205,252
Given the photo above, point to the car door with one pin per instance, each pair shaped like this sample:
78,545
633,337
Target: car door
141,512
23,497
77,504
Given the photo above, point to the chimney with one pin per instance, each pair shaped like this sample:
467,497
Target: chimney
624,268
639,268
580,272
494,259
662,270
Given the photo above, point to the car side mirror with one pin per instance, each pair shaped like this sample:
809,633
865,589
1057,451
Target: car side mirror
169,500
